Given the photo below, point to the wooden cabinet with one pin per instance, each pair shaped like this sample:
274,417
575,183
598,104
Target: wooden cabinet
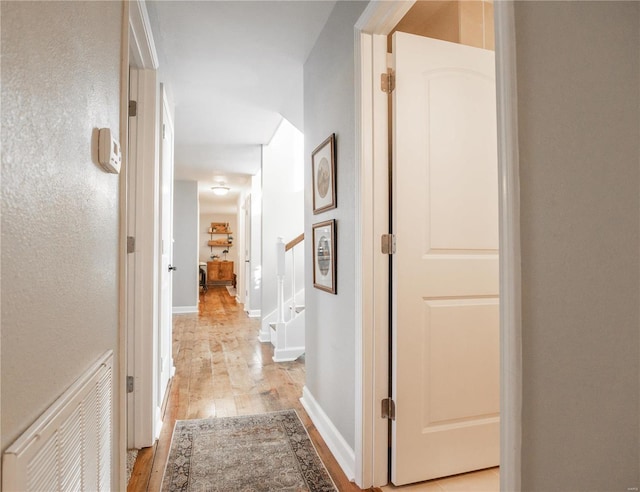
219,272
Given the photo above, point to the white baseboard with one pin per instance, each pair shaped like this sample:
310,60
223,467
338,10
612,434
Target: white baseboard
287,355
344,455
264,337
185,309
253,313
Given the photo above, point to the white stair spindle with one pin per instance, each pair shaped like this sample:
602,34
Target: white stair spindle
280,271
293,282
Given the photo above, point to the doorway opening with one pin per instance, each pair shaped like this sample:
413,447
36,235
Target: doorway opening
436,308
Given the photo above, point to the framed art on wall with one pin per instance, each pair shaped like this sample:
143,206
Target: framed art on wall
323,174
324,256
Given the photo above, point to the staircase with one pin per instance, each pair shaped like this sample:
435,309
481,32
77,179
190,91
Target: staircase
285,326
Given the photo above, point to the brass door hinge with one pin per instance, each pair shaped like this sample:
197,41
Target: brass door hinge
131,244
388,409
388,81
133,108
388,244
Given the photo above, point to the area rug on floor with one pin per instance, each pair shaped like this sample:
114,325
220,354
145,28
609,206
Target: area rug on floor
231,290
266,452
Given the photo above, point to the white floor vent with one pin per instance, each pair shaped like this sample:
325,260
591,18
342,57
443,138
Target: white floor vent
69,446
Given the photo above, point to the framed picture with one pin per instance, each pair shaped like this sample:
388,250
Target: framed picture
324,255
323,163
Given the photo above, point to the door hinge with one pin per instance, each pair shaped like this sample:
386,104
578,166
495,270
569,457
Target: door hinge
388,81
133,108
164,131
388,409
129,384
131,244
388,244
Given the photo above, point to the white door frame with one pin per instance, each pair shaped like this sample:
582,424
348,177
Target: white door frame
371,443
142,224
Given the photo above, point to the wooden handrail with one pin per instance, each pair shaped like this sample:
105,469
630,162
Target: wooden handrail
294,241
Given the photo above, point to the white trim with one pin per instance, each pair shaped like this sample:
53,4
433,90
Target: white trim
372,280
255,313
143,217
143,48
381,16
510,274
142,223
288,354
185,309
158,421
363,446
338,446
372,310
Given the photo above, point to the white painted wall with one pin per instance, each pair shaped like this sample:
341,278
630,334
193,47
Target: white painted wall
185,245
240,247
329,107
252,305
282,207
60,83
204,237
578,76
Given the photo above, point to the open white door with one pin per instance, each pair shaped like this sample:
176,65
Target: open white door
445,367
165,361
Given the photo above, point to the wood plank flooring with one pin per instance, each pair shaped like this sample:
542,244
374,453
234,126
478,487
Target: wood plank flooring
223,370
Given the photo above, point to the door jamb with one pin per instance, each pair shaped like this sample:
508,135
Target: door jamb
371,362
142,223
119,448
510,273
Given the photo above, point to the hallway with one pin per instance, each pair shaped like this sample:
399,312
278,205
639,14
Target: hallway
223,370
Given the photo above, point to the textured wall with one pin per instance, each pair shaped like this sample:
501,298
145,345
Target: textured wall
60,83
578,105
329,107
185,243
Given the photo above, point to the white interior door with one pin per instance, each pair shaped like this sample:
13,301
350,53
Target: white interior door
445,321
165,361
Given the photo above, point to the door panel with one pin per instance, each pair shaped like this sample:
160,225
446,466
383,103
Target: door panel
165,327
445,321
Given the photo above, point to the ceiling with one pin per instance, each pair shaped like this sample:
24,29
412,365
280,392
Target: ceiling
234,69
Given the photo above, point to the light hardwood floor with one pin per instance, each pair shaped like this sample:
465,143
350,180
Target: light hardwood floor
223,370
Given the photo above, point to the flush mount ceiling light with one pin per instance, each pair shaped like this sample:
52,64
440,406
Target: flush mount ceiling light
220,189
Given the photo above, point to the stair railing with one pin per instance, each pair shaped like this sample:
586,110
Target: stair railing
291,246
280,272
281,250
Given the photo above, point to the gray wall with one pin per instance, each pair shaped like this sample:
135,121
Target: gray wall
578,88
186,219
329,107
60,83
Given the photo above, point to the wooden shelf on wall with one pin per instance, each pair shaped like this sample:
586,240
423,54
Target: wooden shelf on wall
217,243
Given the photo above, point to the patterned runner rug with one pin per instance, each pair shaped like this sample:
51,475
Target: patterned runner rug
255,453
